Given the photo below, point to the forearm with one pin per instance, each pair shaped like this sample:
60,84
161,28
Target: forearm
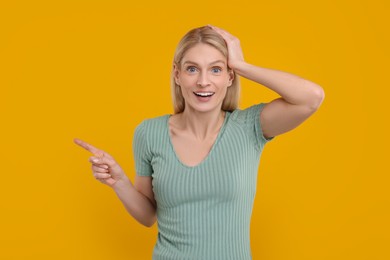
291,88
137,204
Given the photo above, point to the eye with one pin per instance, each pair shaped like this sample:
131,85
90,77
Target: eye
191,69
216,70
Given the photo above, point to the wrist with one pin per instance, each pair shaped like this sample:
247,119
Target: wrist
238,67
121,184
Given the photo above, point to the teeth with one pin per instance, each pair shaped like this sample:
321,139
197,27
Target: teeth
204,94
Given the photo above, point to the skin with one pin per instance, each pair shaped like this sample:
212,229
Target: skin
138,199
199,123
203,68
300,98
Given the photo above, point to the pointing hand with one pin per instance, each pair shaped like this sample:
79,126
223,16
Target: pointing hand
104,167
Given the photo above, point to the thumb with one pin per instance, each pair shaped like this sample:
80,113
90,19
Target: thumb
101,160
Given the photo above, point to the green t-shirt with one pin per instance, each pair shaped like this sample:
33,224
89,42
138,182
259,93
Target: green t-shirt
203,211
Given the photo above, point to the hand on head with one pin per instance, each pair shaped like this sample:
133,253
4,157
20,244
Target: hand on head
235,55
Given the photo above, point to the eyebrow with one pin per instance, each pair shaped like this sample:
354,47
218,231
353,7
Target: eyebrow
192,62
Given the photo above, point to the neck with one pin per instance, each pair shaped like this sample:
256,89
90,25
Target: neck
202,125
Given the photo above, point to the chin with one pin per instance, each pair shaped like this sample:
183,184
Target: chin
205,108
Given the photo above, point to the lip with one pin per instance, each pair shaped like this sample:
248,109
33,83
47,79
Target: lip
204,92
204,99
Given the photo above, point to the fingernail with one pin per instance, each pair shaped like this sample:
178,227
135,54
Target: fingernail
95,160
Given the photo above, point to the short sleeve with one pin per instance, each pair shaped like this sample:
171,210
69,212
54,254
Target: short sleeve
249,118
141,151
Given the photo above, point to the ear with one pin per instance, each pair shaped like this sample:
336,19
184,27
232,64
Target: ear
231,77
176,74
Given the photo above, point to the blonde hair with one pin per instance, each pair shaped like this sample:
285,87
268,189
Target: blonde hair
208,36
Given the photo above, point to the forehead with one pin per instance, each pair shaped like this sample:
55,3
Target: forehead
203,54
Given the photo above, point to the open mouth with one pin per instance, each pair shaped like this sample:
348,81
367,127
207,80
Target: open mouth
204,94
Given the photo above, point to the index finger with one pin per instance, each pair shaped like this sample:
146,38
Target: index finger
88,147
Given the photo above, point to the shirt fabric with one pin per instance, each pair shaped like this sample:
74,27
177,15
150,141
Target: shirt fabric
203,211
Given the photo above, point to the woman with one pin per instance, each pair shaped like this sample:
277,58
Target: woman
196,170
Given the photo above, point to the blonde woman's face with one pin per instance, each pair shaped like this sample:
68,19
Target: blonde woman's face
203,78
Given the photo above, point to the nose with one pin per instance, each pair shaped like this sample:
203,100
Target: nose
203,80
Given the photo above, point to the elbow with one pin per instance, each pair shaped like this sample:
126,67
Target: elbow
150,222
318,96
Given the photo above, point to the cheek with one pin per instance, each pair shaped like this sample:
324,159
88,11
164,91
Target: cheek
186,88
186,81
223,82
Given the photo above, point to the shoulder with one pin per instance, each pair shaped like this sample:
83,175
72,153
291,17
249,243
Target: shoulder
249,120
152,127
153,122
247,114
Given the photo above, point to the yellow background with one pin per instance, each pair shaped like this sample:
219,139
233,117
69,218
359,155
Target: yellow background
95,69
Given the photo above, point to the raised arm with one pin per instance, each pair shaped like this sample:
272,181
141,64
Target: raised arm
300,98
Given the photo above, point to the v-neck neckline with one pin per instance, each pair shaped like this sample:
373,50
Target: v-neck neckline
221,130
